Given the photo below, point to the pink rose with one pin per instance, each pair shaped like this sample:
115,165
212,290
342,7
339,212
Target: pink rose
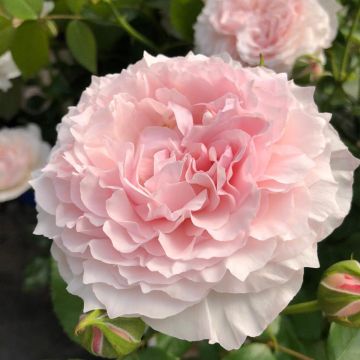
281,30
21,152
191,192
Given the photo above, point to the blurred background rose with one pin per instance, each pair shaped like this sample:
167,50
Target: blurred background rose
281,31
22,151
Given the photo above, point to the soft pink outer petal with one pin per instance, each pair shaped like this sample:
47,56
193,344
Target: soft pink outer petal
228,318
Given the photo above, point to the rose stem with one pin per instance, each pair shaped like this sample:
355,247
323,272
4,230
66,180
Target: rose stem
345,59
302,308
288,351
129,29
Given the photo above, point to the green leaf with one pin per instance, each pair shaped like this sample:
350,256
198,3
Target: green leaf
183,14
82,44
36,5
316,350
287,337
6,36
10,100
209,351
23,9
343,343
158,4
336,56
36,274
67,307
271,331
351,86
4,23
30,47
154,353
172,345
253,351
308,326
76,6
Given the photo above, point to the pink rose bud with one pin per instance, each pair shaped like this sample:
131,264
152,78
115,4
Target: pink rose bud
339,293
316,70
308,69
109,338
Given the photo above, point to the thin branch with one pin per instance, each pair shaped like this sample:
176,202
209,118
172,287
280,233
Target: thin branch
64,17
334,65
288,351
121,20
345,59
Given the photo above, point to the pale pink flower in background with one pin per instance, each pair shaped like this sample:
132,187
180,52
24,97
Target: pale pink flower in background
21,152
191,192
281,30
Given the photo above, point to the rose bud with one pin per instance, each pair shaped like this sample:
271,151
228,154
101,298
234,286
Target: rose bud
308,69
339,293
109,338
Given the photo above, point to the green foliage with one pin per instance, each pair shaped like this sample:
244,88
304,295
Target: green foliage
343,343
287,337
6,35
11,100
253,351
82,44
151,354
37,274
308,326
30,47
23,9
172,345
183,14
67,307
209,352
76,5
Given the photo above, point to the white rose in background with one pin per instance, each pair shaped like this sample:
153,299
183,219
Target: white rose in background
281,30
21,152
8,71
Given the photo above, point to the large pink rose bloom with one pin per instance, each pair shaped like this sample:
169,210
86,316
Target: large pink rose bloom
191,192
281,30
